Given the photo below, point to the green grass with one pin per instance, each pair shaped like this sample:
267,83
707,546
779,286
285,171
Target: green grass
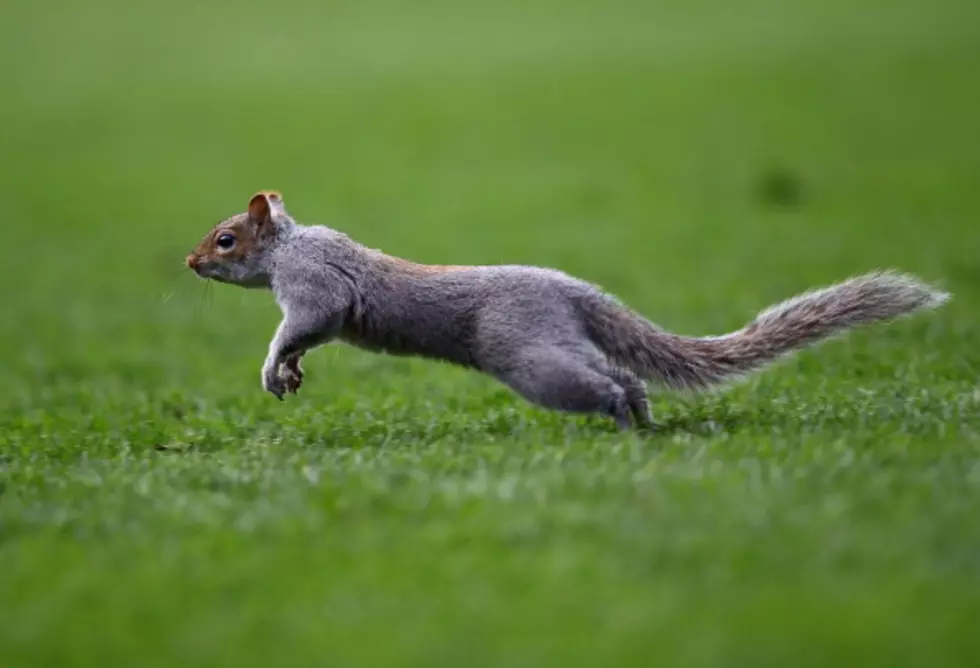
400,512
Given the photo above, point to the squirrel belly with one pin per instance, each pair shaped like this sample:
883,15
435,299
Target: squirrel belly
558,341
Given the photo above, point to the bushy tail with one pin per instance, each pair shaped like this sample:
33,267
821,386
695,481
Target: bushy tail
686,362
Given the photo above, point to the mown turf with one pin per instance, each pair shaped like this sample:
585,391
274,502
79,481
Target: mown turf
700,159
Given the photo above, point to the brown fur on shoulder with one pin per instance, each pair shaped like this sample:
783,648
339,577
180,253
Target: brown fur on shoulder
400,265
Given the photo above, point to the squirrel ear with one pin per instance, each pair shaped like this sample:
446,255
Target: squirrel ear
265,205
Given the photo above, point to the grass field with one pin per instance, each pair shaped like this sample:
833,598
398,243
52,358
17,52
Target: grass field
399,512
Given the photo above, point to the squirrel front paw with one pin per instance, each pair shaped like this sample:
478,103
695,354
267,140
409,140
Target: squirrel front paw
272,381
292,374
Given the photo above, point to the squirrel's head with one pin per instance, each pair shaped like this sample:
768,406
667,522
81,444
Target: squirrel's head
237,249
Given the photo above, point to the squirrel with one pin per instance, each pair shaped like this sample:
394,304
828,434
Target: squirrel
560,342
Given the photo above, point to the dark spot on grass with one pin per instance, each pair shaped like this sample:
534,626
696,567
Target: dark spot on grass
781,187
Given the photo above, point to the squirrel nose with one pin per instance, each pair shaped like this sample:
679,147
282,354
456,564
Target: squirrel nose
191,262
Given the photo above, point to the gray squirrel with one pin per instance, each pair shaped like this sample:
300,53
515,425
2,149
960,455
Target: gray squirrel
558,341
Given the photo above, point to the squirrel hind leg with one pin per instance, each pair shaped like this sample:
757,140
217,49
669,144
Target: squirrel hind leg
636,397
562,380
620,411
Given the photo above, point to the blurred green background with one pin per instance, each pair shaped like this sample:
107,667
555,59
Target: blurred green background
700,159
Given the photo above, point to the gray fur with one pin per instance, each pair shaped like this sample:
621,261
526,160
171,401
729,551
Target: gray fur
556,340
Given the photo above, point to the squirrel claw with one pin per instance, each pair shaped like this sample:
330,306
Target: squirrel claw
282,378
273,383
291,380
292,374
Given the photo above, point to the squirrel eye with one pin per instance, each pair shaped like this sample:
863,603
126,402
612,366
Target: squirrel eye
225,242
